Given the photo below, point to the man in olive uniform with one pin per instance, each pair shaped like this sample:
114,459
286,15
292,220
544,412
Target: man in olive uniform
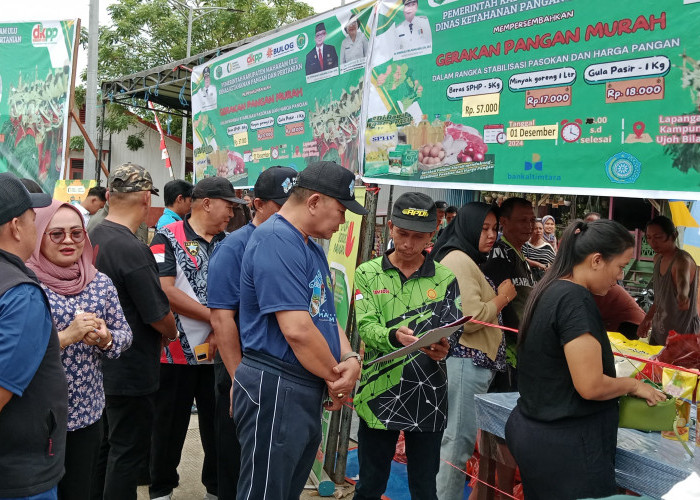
414,32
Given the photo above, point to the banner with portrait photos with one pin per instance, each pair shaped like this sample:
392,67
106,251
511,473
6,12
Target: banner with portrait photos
289,99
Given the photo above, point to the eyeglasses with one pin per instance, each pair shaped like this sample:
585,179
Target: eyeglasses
59,235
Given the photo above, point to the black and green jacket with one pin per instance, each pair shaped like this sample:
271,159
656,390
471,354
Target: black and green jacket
407,393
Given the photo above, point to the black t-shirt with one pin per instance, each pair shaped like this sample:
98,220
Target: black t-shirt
133,270
564,312
503,263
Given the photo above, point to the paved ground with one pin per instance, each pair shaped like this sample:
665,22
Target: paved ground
190,468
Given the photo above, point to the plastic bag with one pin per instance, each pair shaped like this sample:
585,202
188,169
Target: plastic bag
681,385
681,350
628,367
400,453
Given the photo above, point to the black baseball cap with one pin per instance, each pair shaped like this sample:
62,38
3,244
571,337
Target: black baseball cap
441,205
15,199
415,212
216,187
331,179
275,184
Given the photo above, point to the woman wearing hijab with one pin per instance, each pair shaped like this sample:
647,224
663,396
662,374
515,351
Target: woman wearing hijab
538,252
481,350
90,324
550,229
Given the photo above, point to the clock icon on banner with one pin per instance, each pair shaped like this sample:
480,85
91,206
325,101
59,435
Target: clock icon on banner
501,138
571,131
274,152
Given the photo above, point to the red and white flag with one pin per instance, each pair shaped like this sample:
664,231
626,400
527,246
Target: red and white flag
163,148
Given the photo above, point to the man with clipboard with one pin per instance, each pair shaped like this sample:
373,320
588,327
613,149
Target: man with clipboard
401,296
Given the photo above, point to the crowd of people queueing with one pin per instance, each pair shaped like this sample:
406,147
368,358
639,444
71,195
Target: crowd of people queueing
105,343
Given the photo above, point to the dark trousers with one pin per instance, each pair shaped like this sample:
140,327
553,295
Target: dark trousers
375,450
123,462
279,428
180,386
228,451
82,450
568,459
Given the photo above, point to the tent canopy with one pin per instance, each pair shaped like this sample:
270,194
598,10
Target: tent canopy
169,85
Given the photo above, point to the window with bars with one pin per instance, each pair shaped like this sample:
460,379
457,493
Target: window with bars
76,168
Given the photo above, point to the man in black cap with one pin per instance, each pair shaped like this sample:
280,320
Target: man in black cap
293,348
272,189
131,381
33,391
182,250
399,297
322,56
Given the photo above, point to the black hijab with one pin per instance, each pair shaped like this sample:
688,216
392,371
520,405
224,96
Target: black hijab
464,232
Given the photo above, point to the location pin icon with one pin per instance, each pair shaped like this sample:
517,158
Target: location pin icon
638,128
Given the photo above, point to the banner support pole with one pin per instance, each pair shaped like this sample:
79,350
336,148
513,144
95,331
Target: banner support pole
88,141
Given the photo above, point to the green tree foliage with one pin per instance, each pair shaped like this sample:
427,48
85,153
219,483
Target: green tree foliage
149,33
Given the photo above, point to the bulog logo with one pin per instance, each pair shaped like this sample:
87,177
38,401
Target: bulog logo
43,36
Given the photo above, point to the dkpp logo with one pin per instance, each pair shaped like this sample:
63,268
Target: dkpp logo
43,36
254,58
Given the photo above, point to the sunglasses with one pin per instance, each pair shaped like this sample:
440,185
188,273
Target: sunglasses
59,235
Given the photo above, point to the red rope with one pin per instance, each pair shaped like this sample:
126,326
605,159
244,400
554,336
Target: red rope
347,403
484,323
349,400
479,480
635,358
659,363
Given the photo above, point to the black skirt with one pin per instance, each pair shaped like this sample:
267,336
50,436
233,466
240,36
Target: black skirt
566,459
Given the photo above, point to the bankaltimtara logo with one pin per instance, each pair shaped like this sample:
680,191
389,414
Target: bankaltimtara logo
42,36
415,211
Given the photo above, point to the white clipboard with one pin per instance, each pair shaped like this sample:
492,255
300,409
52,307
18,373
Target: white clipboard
429,337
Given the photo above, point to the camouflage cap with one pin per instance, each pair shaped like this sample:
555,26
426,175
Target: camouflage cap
130,178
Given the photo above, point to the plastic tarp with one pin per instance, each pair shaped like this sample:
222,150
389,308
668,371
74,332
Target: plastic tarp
645,462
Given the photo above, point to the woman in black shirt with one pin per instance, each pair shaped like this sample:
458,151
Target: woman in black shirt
563,431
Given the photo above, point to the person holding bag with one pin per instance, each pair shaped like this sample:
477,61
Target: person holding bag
563,431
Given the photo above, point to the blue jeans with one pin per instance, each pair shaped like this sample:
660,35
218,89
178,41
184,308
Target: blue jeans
464,380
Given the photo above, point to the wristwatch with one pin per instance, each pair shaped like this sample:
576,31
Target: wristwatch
351,354
177,336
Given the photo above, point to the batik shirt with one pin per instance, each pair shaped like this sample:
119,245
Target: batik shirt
83,363
183,254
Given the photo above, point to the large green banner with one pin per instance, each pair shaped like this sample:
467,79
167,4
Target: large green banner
556,96
289,99
36,60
